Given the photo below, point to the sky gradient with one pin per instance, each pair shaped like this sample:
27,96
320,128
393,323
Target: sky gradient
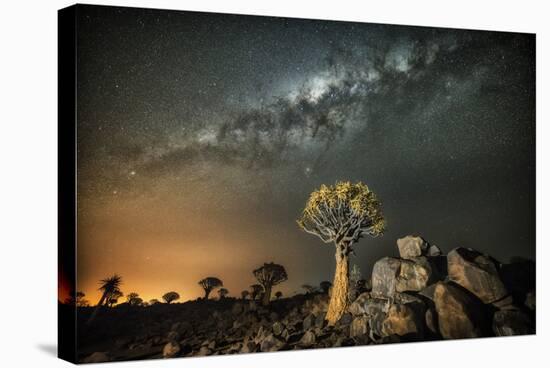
200,137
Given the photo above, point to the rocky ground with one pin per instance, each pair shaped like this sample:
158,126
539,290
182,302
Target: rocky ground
422,295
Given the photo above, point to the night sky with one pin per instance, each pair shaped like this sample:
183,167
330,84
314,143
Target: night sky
200,137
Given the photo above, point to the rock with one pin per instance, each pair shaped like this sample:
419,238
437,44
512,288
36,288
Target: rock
476,273
359,326
391,275
433,251
320,320
309,322
277,328
404,298
505,303
376,311
97,357
411,247
401,320
285,335
428,292
249,347
308,339
271,343
456,312
511,322
204,351
171,349
413,275
345,319
531,300
430,318
384,276
358,306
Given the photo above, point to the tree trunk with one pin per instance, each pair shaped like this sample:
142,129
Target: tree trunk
97,308
340,287
267,295
206,293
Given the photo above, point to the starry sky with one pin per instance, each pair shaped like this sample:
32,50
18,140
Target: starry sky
200,137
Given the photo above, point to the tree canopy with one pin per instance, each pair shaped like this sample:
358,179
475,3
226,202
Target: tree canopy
343,212
170,296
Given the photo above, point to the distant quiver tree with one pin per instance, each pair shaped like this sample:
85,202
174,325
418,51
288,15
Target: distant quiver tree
170,296
269,275
209,284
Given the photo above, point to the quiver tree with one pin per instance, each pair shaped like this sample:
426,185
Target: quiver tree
278,295
245,294
154,301
108,286
113,298
255,290
223,292
170,296
341,215
325,286
209,284
131,298
269,275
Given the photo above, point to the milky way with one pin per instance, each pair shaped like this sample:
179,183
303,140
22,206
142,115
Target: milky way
200,137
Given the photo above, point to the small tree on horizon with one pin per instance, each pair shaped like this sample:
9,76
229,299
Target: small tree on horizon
223,292
170,296
341,215
269,275
278,295
154,301
245,294
134,300
209,284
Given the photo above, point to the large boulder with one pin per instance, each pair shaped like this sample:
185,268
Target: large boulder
477,273
413,275
511,322
394,275
456,311
412,246
401,320
384,276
